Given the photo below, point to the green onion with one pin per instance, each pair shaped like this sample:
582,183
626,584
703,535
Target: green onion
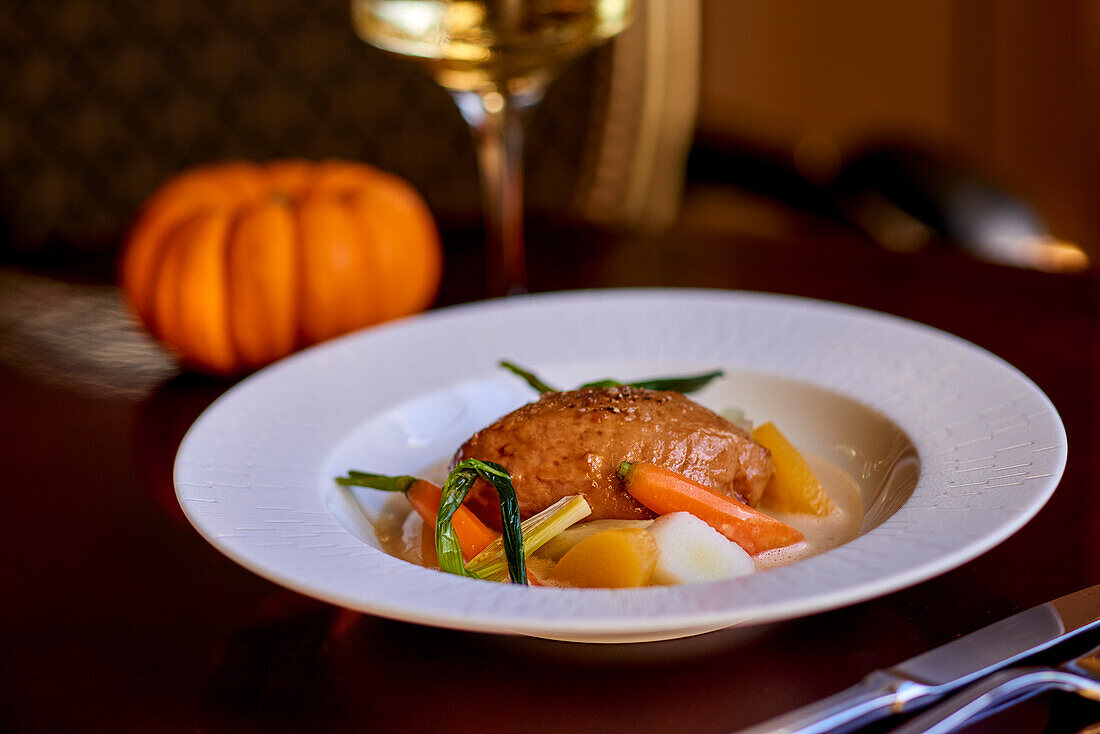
537,531
684,384
529,377
455,489
376,481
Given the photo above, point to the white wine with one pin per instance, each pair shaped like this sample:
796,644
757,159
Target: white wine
481,45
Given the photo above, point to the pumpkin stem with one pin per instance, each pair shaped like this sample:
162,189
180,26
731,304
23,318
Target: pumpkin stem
280,197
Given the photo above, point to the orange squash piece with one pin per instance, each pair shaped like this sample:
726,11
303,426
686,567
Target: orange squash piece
619,558
793,487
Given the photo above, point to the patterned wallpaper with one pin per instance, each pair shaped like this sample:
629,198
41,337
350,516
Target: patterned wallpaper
100,100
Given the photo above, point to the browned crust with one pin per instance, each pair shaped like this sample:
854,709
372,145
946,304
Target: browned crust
572,443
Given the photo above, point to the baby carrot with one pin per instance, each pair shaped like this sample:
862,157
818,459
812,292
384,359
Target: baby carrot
665,491
473,535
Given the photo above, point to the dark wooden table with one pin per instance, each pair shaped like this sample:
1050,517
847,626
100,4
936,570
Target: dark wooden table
115,615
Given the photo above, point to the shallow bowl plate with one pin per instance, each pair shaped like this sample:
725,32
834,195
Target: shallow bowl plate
953,448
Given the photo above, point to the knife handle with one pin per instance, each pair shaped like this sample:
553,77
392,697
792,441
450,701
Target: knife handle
995,693
877,696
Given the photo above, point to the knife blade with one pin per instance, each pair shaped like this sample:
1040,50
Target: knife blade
920,681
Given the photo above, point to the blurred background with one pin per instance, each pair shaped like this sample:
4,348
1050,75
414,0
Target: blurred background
1004,87
880,154
102,100
746,118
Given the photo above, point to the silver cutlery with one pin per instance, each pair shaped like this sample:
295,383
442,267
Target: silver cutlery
921,681
1008,687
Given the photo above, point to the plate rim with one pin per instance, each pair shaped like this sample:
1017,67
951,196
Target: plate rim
615,626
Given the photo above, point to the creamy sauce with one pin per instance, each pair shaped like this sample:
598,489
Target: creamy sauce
822,533
401,531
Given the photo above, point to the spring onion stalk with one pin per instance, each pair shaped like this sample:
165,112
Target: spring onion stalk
376,481
529,377
455,489
537,531
684,384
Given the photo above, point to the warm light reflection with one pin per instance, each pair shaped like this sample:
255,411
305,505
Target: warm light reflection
1041,252
1057,256
415,18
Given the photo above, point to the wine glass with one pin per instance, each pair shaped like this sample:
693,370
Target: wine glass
495,58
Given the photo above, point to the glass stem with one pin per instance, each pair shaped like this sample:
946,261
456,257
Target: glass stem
495,118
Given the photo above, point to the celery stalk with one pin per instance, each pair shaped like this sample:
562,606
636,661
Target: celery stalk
537,531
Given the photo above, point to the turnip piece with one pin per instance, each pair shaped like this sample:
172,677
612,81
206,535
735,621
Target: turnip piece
692,552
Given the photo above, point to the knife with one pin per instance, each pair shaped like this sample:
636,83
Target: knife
920,681
1007,688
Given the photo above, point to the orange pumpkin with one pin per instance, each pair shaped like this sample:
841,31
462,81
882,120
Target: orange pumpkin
236,265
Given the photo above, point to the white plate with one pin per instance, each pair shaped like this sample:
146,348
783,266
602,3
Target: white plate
876,394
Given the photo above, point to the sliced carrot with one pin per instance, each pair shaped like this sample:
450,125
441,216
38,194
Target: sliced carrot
473,534
428,555
665,491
